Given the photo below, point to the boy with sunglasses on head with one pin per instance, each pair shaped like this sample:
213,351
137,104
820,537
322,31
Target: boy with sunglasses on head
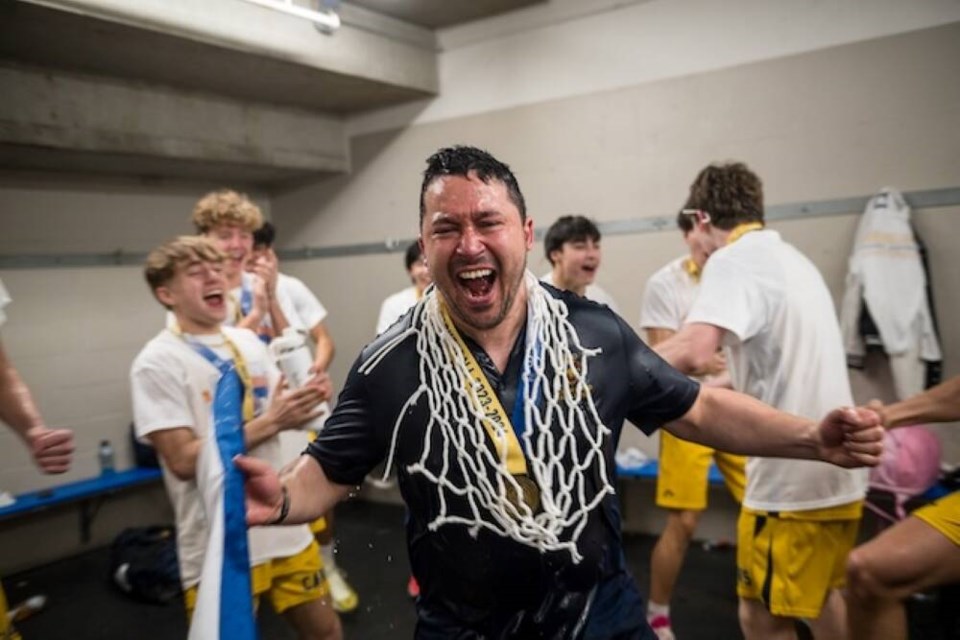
768,305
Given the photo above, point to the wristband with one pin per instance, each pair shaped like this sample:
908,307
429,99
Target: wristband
284,506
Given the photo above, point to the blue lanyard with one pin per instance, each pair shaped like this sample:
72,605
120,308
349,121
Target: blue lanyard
246,299
525,388
259,394
210,356
236,615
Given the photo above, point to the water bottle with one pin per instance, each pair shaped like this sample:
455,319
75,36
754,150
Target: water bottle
105,456
292,355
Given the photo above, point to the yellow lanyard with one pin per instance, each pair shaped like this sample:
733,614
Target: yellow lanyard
505,439
249,406
237,312
741,229
692,269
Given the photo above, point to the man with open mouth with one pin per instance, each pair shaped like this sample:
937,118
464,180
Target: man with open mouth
572,246
499,400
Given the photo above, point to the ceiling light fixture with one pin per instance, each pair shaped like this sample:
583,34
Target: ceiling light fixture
324,17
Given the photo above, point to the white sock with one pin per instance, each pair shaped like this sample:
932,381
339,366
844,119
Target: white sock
655,609
328,554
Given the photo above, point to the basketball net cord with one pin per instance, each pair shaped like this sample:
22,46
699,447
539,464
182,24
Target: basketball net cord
559,414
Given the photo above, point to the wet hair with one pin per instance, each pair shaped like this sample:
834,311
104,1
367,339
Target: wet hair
412,255
265,235
226,207
461,161
164,261
569,229
730,193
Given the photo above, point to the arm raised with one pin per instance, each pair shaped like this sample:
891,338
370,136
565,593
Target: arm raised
737,423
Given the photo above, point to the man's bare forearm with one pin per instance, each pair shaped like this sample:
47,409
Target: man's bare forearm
17,407
734,422
939,404
310,493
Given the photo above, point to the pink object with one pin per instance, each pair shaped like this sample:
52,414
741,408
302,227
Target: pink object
910,464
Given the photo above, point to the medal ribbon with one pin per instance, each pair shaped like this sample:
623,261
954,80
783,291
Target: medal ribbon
238,363
741,229
495,421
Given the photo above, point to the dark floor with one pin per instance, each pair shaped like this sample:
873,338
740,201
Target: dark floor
83,605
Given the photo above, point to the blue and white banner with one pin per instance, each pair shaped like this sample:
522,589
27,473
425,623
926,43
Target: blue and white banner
224,608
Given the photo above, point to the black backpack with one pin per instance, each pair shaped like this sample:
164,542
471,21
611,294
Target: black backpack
143,563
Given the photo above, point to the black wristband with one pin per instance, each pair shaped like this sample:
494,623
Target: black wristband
284,506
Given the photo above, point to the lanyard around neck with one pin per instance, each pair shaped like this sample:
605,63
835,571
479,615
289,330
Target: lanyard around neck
495,421
742,229
692,269
237,362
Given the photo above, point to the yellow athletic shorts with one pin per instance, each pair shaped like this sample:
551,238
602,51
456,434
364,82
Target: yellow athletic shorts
7,632
682,476
791,560
286,582
944,516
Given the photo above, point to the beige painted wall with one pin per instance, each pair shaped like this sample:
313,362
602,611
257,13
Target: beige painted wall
73,333
836,123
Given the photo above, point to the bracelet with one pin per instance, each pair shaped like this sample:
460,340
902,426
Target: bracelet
284,506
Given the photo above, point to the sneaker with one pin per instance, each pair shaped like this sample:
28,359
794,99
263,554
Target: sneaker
661,627
413,587
27,608
345,599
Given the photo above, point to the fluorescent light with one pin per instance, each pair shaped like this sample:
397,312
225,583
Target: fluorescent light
325,20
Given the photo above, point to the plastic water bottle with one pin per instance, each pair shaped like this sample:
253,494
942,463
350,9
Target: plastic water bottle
105,456
292,355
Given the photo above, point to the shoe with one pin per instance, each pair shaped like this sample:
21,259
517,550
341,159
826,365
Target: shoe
27,608
345,599
661,627
413,587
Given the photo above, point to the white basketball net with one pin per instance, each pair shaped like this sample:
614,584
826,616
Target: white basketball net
559,415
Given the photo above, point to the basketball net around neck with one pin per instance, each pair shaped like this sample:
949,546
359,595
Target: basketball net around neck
563,439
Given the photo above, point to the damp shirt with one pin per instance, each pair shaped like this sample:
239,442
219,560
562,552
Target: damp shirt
478,581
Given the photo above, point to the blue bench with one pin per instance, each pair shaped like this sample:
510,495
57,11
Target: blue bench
88,493
651,468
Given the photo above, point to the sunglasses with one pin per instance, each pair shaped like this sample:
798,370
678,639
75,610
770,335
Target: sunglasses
702,217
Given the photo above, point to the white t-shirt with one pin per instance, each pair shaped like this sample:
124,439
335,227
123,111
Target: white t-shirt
302,309
668,297
303,312
4,301
785,349
593,292
394,306
173,386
